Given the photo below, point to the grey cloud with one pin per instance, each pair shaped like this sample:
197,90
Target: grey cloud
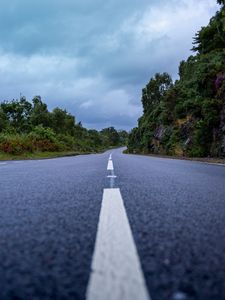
46,25
93,57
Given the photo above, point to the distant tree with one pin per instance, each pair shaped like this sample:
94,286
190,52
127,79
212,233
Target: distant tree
40,114
3,120
62,122
80,132
134,141
18,113
111,136
95,138
155,90
123,134
30,127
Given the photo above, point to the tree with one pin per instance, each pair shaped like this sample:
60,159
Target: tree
133,141
18,113
123,134
62,122
111,136
40,114
3,120
211,37
155,90
95,138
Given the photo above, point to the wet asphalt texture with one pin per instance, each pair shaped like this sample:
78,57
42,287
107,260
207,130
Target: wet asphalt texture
49,212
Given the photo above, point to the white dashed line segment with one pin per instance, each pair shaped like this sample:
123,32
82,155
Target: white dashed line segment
110,165
116,270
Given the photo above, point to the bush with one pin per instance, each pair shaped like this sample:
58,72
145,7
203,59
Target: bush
40,139
42,133
15,144
66,141
45,139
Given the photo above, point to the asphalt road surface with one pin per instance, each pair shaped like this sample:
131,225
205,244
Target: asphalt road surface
112,227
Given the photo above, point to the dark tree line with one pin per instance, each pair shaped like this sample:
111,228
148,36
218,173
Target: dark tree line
29,126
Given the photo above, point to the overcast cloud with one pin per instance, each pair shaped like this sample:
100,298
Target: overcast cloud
93,57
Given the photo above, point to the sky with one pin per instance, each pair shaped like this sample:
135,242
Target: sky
93,57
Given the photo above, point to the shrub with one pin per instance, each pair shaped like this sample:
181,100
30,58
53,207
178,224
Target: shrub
15,144
42,133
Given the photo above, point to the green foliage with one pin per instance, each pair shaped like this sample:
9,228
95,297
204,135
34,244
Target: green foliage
211,37
40,114
26,127
15,143
39,132
186,117
123,137
62,122
134,140
110,136
3,120
17,112
155,90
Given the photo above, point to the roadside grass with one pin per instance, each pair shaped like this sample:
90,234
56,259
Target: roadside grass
38,155
212,160
47,154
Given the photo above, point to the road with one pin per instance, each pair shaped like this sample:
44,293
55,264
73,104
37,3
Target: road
94,226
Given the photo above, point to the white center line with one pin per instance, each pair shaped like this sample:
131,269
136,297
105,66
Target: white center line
3,163
116,270
111,176
110,165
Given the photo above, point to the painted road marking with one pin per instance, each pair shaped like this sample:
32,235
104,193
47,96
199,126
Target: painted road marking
110,156
116,269
110,165
111,176
3,163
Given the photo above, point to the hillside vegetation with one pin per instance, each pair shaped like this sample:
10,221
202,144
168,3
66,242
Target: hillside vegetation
187,117
29,128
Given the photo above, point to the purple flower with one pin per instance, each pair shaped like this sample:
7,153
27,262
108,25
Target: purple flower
219,81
